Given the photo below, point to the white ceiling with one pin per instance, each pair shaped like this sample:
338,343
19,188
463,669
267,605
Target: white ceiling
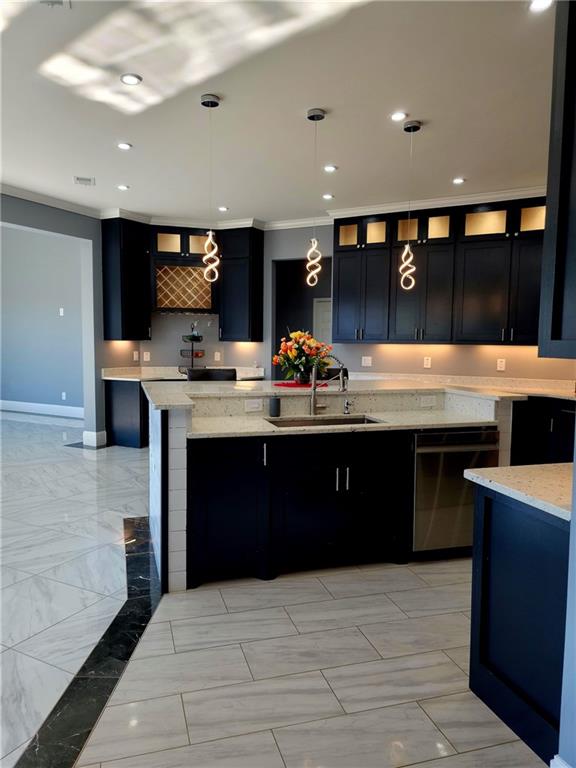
477,73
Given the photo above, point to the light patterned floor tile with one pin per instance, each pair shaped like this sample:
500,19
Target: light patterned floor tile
271,593
156,641
371,582
433,600
460,656
436,574
429,633
516,755
185,605
347,612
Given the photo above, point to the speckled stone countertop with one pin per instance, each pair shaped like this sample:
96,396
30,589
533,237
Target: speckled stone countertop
175,394
238,426
170,373
545,486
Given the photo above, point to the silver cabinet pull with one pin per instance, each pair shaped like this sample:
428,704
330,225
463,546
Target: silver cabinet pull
511,334
356,334
347,478
265,455
503,334
415,334
337,479
552,425
219,333
361,334
421,334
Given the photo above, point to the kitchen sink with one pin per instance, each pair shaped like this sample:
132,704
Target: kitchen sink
321,421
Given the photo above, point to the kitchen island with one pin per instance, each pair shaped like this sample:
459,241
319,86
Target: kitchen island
233,493
519,588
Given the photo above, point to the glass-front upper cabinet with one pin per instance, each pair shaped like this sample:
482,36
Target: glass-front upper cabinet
530,219
178,241
486,222
438,226
366,232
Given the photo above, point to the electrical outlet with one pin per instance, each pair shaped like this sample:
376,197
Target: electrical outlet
63,395
61,311
501,364
217,357
135,355
428,401
146,357
427,362
64,436
366,362
253,405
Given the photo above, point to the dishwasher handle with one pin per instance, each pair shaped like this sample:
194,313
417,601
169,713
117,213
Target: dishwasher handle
457,448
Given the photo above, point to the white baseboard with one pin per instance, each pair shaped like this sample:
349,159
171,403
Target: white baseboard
94,439
44,409
558,762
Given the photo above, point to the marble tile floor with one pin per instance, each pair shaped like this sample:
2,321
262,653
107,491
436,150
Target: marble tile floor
311,670
63,561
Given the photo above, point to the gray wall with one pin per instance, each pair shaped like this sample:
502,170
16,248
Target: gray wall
475,360
41,351
96,352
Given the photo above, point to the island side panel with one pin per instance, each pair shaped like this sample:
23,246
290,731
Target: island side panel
178,425
518,616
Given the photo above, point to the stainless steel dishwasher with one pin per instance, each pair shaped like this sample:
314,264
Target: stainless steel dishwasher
444,500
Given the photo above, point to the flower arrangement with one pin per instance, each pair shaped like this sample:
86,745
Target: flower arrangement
299,353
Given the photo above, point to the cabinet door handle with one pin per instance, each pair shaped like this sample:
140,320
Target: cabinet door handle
511,334
337,479
347,478
415,334
552,424
421,334
265,455
356,334
219,333
503,334
361,334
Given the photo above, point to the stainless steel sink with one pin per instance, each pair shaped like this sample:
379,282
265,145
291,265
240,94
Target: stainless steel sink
321,421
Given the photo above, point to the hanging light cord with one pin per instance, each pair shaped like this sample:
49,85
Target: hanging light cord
210,164
410,182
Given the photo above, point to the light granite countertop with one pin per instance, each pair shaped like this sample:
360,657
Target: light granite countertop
171,373
238,426
175,394
544,486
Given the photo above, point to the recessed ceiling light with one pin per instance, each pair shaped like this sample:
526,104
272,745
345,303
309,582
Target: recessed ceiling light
458,180
330,168
398,116
328,196
537,6
222,208
124,145
123,187
130,78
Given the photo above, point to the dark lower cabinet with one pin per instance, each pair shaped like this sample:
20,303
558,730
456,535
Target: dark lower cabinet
543,431
519,592
126,414
260,507
228,527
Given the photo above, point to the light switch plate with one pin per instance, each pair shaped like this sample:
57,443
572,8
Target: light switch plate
366,361
428,401
146,357
501,364
427,362
135,355
217,357
63,395
61,311
253,405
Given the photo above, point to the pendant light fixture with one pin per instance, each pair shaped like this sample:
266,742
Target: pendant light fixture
407,267
313,254
211,258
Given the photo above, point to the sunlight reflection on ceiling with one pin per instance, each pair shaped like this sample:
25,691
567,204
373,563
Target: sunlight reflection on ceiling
174,45
8,10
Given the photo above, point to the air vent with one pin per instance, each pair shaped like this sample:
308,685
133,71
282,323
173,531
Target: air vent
85,181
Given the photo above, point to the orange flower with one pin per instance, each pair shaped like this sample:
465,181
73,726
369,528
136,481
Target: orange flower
275,360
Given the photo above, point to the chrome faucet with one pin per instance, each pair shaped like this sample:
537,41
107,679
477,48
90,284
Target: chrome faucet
342,386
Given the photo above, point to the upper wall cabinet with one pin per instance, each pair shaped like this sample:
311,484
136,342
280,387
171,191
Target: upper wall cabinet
557,335
126,279
365,232
241,284
178,241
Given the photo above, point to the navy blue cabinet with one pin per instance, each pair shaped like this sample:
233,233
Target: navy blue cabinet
543,431
126,279
360,296
423,314
126,414
241,284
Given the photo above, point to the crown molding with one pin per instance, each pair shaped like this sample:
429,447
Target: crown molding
325,221
439,202
167,221
53,202
122,213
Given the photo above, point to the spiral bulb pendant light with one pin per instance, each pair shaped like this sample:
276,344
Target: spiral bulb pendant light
211,259
314,254
313,266
407,269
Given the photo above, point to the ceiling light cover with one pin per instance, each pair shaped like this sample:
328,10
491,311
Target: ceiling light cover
222,208
537,6
124,145
330,168
398,116
328,196
131,78
123,187
458,180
